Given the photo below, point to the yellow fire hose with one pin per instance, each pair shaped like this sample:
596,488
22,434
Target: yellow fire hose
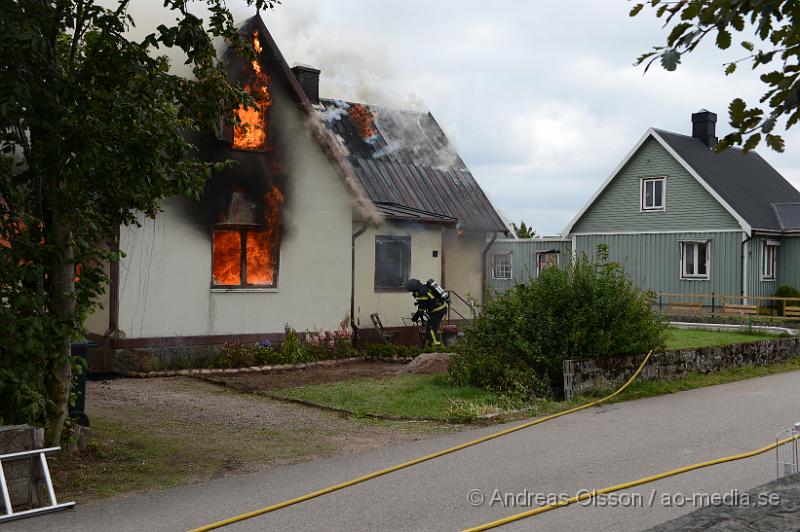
594,493
398,467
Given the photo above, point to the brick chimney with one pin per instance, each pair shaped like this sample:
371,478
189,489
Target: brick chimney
704,125
309,80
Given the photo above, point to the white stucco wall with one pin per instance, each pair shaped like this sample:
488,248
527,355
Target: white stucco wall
166,277
463,268
393,305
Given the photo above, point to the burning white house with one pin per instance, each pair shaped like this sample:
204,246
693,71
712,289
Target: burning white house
329,208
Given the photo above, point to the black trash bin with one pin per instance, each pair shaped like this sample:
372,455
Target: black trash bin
78,411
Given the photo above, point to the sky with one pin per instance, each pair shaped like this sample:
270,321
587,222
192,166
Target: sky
540,97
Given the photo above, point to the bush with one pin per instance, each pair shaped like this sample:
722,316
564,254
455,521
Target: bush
293,351
786,291
236,356
519,342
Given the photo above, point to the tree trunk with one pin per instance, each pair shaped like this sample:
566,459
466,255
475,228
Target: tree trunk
62,304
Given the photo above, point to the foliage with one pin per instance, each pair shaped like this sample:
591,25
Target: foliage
93,134
786,291
237,356
520,340
292,349
523,231
773,49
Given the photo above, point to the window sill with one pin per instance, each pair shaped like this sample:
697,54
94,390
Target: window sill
236,290
501,278
390,290
767,280
695,278
654,209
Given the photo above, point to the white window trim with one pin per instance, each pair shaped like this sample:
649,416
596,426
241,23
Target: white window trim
681,262
663,206
510,256
556,253
764,247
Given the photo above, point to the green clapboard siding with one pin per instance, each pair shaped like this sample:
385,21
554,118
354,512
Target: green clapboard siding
755,256
689,207
653,260
523,259
789,261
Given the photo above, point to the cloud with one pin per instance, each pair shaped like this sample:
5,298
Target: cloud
540,98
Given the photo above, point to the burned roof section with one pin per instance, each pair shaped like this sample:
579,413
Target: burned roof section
404,158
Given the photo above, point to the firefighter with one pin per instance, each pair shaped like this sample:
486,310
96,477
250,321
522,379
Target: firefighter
431,302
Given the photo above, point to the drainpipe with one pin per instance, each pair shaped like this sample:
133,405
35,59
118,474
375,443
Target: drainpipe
353,284
743,291
483,268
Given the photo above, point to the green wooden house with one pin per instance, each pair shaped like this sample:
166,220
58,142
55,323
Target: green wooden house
683,219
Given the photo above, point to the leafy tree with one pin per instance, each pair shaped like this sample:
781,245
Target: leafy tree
523,231
773,50
93,132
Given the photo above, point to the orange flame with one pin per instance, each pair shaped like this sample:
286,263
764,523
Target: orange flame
251,134
363,119
261,249
227,260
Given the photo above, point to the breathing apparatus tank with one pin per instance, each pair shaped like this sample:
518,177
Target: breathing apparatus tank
437,291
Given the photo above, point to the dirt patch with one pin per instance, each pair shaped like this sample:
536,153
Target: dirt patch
260,382
156,433
428,364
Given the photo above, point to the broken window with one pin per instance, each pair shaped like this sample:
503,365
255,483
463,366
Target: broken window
244,258
392,261
246,241
546,259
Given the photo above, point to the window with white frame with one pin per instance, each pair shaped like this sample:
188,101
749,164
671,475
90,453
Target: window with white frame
653,193
695,259
501,266
769,260
546,259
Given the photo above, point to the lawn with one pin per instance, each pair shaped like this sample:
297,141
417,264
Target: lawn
431,397
407,396
690,338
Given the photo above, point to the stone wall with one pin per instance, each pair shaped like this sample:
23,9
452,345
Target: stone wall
24,476
582,375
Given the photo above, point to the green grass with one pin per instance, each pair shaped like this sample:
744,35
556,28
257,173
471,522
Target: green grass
431,397
134,455
690,338
407,396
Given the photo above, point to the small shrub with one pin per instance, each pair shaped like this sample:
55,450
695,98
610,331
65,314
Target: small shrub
237,356
786,291
293,351
268,356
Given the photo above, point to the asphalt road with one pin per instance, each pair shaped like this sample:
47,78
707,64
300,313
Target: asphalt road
591,449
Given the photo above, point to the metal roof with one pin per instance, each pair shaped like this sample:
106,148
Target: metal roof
745,181
394,211
404,158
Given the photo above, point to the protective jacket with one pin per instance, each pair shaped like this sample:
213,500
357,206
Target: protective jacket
429,304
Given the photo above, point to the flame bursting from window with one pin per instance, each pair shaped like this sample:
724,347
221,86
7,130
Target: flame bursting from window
363,120
249,257
254,135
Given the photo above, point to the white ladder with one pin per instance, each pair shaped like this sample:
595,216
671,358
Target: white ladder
52,507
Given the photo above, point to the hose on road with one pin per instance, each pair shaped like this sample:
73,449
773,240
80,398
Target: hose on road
404,465
594,493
